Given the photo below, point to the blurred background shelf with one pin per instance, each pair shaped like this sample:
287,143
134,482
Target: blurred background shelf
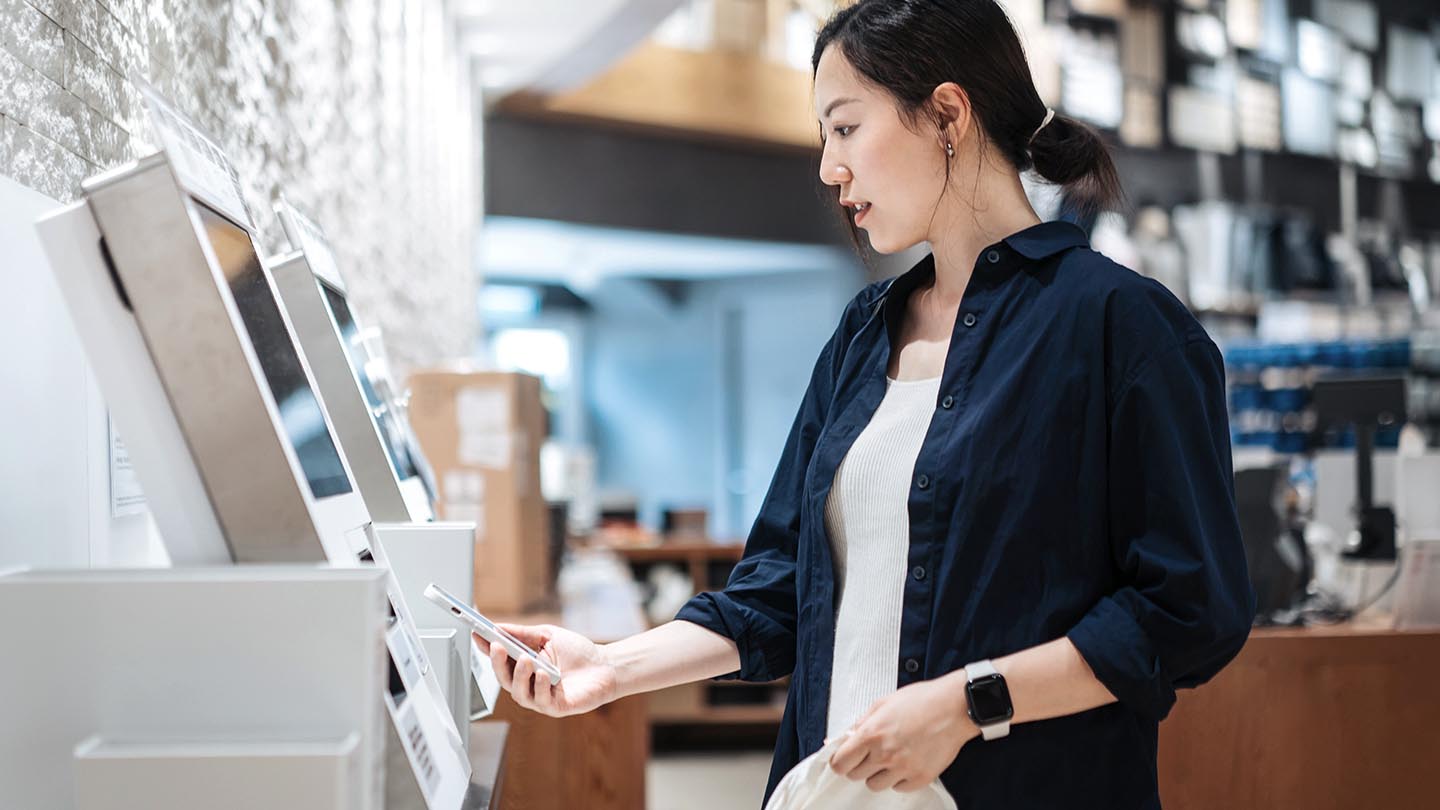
735,705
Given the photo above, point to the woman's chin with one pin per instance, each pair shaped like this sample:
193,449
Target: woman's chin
879,243
884,245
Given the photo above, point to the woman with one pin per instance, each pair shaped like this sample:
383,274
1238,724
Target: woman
1002,531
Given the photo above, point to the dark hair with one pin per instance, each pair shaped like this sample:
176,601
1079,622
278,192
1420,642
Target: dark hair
910,47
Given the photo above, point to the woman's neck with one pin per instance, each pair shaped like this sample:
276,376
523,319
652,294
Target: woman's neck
969,219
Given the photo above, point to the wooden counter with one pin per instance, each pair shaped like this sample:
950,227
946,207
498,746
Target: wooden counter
1324,718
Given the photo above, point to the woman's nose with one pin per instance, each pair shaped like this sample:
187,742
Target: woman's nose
833,172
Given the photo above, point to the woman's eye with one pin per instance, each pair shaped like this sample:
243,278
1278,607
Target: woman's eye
844,131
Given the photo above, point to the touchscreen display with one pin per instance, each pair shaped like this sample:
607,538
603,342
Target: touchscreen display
300,411
390,430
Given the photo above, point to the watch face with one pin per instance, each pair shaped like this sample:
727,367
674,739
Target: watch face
990,700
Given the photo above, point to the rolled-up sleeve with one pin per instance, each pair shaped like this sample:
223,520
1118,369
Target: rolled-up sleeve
758,608
1184,605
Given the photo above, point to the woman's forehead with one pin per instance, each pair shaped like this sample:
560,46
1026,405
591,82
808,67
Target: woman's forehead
836,82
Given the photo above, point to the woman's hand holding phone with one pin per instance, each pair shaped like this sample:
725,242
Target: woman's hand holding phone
590,677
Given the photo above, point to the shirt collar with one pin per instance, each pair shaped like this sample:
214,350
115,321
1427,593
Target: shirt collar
1037,242
1046,239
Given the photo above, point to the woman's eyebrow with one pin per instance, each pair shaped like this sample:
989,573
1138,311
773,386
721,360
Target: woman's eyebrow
836,103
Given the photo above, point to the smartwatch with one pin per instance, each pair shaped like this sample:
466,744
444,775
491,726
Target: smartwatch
989,700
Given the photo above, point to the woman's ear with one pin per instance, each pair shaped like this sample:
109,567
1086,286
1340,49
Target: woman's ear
952,112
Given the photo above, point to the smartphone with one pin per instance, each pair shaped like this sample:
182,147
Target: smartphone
489,630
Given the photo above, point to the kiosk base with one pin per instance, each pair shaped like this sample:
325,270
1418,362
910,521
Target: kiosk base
255,656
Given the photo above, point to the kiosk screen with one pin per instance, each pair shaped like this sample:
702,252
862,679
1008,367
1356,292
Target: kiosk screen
300,411
395,445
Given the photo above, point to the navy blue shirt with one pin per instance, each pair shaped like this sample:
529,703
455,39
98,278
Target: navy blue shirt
1075,481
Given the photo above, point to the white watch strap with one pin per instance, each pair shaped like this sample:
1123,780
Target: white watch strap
995,731
980,669
973,672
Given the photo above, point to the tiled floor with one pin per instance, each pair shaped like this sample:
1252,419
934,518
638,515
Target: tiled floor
727,780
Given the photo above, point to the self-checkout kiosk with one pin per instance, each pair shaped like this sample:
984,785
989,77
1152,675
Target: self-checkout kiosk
199,365
318,303
388,468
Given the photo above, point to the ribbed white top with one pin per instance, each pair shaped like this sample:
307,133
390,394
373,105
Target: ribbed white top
868,519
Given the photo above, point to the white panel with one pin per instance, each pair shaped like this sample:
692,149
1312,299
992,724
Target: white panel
110,774
178,655
54,468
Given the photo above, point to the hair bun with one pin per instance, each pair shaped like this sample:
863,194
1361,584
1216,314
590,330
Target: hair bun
1073,155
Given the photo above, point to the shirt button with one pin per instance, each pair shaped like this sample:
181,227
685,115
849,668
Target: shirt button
993,257
923,481
912,666
948,402
918,573
970,319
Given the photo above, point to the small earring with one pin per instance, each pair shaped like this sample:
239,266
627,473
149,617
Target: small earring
949,149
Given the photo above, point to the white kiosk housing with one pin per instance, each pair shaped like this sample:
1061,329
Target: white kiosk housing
386,468
375,436
174,688
200,367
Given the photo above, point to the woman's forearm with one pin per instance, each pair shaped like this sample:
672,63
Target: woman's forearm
1045,681
1051,680
669,655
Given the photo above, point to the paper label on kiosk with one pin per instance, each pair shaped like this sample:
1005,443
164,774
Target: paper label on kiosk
199,164
126,497
315,246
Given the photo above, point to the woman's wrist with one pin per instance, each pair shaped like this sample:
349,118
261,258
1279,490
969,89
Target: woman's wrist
958,705
618,674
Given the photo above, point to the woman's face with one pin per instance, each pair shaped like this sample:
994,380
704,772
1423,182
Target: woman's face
888,176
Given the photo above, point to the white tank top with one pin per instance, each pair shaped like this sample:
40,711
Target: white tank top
868,519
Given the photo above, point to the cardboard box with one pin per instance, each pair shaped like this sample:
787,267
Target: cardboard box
481,432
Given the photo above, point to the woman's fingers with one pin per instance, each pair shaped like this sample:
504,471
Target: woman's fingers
534,637
481,643
521,678
523,689
848,754
868,767
500,662
882,780
544,695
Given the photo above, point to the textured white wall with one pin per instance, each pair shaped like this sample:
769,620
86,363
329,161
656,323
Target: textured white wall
360,111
